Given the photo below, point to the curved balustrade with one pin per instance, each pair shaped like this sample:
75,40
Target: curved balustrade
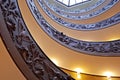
86,16
65,13
57,8
109,48
98,25
13,30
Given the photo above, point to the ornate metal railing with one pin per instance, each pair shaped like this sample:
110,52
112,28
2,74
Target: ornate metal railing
108,48
86,16
52,4
28,56
93,26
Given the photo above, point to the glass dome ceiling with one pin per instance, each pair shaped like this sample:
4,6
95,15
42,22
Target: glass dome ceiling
71,2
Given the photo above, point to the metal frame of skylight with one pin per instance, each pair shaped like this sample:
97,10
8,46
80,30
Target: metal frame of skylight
69,5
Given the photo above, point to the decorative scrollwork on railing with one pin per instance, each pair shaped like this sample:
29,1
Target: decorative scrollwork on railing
109,48
86,16
55,7
66,13
94,26
33,56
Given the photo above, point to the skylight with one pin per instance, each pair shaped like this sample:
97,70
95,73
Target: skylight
71,2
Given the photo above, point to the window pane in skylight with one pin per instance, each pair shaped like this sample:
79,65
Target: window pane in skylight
78,1
71,2
65,2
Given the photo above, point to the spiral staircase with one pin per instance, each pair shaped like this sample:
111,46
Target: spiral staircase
47,40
